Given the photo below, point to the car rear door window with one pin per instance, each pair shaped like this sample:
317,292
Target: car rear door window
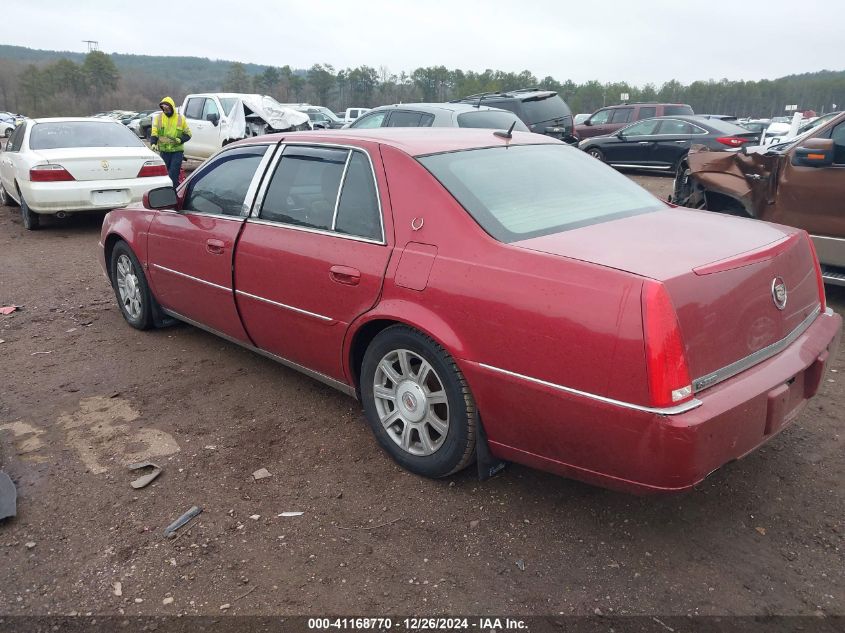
674,127
491,119
426,120
646,112
642,128
358,207
221,187
193,109
677,110
622,115
369,121
404,118
304,187
16,140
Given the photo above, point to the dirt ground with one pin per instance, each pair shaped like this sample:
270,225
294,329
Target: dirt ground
82,394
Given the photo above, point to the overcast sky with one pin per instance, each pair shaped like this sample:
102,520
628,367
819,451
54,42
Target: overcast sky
638,41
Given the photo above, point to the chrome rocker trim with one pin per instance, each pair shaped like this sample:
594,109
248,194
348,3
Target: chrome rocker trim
192,278
326,380
681,408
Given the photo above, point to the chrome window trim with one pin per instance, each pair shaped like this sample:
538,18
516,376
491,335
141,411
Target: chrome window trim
340,189
327,380
664,167
191,277
253,217
308,229
251,190
729,371
285,306
681,408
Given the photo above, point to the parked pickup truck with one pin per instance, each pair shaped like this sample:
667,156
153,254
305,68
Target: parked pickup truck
799,182
219,118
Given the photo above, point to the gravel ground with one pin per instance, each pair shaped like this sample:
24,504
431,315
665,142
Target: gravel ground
83,394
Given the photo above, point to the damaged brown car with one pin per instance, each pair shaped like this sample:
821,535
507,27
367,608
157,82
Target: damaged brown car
800,182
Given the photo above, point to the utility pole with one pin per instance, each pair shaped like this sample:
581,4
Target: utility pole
93,45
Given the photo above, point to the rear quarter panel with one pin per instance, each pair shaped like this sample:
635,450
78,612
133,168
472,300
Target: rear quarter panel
563,321
130,225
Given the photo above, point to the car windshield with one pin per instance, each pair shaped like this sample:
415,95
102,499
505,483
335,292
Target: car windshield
491,119
53,135
228,103
526,191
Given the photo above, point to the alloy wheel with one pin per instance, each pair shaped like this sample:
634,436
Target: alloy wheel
128,287
411,402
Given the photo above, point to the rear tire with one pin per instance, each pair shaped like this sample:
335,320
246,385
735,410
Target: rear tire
417,403
596,153
31,220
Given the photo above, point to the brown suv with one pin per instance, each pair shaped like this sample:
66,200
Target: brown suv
800,182
612,118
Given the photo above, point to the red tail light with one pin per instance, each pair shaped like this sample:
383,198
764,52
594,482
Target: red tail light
666,360
733,141
819,279
152,168
49,173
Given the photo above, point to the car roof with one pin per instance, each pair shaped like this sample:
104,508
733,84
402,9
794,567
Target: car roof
72,119
415,141
719,125
434,108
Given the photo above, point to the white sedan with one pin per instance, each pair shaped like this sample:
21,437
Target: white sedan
65,165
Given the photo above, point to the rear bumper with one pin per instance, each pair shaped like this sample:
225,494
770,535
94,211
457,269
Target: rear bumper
81,195
643,452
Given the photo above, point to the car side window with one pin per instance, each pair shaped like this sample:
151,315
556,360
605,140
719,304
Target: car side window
426,120
642,128
601,117
673,126
358,209
369,121
838,136
622,115
221,187
303,189
404,118
193,109
646,112
209,108
16,140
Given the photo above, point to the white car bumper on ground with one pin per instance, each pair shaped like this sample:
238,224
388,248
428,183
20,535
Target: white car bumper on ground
88,195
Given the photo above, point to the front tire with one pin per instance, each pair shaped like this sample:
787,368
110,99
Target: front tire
130,287
417,403
31,220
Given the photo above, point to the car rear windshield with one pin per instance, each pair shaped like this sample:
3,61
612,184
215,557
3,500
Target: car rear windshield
541,109
57,134
492,120
675,110
526,191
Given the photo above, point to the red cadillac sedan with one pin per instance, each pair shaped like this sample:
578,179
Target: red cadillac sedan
490,296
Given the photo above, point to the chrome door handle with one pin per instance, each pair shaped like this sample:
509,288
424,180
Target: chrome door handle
644,143
682,141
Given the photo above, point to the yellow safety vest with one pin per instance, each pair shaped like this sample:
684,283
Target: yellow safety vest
170,126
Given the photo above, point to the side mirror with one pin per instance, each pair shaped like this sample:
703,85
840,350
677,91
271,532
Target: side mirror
815,152
213,117
620,135
160,198
588,123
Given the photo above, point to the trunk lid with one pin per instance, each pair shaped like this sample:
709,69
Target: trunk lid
99,163
719,272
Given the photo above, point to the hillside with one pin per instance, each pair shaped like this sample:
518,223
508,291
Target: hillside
194,73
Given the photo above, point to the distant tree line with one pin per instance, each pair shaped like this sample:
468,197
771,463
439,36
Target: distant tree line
65,87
